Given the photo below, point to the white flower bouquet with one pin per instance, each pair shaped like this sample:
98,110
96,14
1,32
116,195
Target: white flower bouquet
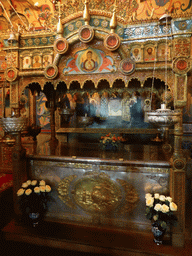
160,209
33,196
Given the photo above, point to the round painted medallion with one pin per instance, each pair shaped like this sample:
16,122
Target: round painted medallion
127,66
61,45
86,34
11,74
51,71
112,42
181,65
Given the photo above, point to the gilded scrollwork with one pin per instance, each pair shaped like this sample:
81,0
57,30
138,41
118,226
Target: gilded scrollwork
108,168
131,196
64,191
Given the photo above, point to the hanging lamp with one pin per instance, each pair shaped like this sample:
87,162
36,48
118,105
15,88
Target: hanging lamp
164,117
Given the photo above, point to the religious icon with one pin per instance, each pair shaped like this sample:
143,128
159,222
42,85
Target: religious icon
136,54
43,115
37,62
162,55
46,60
149,54
27,62
89,64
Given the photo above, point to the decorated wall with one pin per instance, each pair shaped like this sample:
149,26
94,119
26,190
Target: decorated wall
97,46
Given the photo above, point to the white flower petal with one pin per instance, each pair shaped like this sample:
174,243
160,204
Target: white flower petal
42,183
48,188
24,185
173,207
157,207
20,192
28,191
34,182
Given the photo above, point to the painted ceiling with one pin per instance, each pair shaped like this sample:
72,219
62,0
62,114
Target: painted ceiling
43,14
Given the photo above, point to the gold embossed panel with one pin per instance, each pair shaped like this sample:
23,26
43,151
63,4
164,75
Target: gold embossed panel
98,193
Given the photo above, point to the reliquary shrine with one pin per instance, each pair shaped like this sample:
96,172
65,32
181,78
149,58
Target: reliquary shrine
78,71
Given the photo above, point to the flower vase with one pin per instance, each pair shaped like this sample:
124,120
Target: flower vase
34,218
158,233
34,215
110,147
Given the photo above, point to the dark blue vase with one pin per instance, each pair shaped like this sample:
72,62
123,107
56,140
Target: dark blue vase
34,218
110,147
158,233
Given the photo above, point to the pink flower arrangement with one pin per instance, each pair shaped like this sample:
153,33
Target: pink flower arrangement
110,141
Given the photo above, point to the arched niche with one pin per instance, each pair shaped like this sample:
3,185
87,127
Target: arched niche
74,85
49,91
34,87
156,83
118,84
61,86
89,85
103,84
61,89
134,84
